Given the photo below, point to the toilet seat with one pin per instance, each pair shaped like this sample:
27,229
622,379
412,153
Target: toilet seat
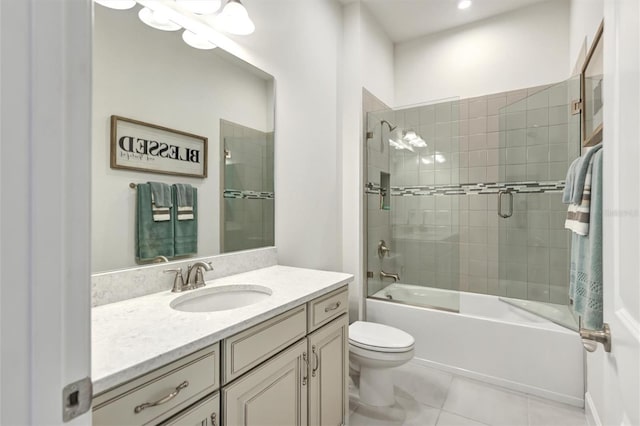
379,337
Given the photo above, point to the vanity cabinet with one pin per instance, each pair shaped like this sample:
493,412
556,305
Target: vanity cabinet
329,370
304,385
273,394
290,370
160,394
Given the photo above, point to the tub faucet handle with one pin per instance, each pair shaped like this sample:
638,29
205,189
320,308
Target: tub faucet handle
383,275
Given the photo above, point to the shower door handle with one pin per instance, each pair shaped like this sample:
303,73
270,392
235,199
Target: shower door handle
510,211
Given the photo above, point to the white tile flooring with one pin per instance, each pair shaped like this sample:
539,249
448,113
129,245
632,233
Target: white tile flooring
430,397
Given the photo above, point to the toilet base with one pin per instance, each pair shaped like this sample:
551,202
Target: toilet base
376,387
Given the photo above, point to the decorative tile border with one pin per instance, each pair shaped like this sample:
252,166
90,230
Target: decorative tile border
254,195
528,187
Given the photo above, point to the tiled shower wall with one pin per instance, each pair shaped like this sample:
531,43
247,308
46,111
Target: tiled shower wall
248,188
459,241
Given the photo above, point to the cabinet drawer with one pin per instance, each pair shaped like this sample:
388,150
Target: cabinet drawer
202,413
173,387
327,307
249,348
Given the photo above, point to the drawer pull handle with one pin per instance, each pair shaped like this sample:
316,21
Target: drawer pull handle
162,400
213,419
332,307
317,359
306,368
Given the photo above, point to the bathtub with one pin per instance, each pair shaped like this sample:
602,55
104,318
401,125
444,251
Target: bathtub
481,337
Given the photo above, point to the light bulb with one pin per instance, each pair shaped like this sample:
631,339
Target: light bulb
160,17
117,4
234,19
200,7
464,4
197,41
158,20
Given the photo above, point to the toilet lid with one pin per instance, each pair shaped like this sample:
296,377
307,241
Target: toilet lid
379,337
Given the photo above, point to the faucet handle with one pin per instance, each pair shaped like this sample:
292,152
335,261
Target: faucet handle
178,282
200,273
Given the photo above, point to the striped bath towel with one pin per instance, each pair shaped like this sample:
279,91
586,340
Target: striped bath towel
578,214
579,195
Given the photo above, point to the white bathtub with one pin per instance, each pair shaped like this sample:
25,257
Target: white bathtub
487,340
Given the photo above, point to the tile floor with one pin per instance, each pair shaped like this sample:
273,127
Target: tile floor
430,397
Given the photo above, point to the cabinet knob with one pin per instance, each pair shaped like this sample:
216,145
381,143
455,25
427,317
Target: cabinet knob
213,419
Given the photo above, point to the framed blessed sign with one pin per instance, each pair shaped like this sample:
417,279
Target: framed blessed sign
136,145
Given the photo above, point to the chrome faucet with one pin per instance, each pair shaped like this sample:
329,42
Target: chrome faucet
195,276
199,268
383,275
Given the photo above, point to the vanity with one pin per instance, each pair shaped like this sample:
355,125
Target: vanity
282,360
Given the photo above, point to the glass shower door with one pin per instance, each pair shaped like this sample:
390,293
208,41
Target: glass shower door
412,205
539,138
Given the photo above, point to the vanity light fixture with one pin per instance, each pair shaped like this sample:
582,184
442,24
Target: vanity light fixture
464,4
200,7
157,19
197,41
117,4
234,19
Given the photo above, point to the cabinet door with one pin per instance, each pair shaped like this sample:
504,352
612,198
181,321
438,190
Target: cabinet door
328,370
203,413
274,394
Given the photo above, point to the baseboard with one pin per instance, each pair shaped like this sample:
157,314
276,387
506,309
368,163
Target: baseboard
508,384
593,419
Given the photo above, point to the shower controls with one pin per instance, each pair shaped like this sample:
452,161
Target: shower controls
383,249
510,211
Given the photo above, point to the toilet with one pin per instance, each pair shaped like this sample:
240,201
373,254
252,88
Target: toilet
374,349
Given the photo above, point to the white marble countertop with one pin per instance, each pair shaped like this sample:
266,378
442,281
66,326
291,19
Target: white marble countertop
136,336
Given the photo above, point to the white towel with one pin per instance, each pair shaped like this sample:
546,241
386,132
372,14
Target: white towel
185,213
160,214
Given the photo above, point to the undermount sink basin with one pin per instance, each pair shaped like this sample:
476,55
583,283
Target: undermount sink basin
221,298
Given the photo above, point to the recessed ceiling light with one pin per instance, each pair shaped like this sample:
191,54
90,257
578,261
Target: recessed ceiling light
464,4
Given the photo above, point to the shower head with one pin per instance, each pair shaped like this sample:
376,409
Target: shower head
391,126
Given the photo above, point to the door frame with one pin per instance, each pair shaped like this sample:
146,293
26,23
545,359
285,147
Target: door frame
45,166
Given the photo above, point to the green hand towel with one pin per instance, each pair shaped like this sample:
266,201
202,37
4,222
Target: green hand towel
186,231
585,286
152,238
161,194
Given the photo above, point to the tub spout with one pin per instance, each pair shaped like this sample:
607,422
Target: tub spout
396,277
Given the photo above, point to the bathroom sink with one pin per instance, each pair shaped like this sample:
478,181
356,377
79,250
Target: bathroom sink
221,298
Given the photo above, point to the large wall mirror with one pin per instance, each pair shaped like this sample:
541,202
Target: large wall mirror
152,76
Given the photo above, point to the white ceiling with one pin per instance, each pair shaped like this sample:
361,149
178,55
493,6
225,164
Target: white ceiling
407,19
